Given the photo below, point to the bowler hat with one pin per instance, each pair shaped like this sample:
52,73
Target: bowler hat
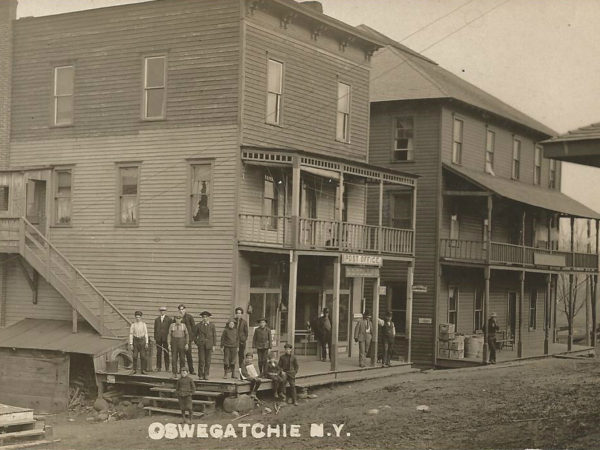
138,313
205,313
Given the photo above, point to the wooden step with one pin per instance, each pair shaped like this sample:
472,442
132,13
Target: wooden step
175,412
17,424
176,400
18,435
204,393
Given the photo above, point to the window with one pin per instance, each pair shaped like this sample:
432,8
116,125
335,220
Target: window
274,91
457,141
478,308
270,202
401,210
537,170
4,191
201,193
490,146
552,176
64,79
155,87
128,194
516,161
343,113
532,310
453,306
62,197
403,139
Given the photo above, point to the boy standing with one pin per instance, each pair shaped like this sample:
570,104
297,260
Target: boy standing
184,390
289,364
262,343
229,344
138,341
242,328
248,372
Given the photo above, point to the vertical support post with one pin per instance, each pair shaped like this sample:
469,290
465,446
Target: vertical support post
554,309
547,314
488,234
292,290
340,216
521,299
486,311
523,237
335,314
74,318
375,330
380,221
594,315
21,236
549,231
410,275
296,202
571,310
414,221
588,307
3,273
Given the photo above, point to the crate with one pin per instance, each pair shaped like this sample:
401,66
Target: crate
447,336
457,354
444,345
447,328
444,353
457,345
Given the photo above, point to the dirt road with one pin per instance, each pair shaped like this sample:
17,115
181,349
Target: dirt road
547,403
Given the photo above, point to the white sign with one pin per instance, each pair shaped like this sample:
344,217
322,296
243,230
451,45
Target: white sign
426,320
419,289
382,290
362,260
362,272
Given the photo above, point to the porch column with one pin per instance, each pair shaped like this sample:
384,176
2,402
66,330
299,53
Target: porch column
414,221
522,296
380,222
572,241
335,314
410,273
292,290
486,311
375,330
523,237
571,309
554,308
295,202
595,293
340,216
547,314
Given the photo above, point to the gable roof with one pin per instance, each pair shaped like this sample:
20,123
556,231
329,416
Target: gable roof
399,73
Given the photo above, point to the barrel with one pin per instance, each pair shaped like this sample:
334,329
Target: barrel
474,346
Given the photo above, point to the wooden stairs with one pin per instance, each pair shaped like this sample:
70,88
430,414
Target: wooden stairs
164,401
19,428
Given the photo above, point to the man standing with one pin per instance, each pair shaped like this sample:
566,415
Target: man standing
289,364
324,334
388,336
178,341
138,341
188,321
492,328
161,335
242,330
206,339
262,343
363,335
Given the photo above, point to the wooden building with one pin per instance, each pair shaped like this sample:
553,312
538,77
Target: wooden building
488,210
211,153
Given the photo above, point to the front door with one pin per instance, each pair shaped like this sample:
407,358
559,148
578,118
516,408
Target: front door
511,322
36,204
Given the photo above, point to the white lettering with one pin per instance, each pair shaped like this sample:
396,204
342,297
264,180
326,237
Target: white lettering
185,430
258,434
216,431
316,430
244,427
337,429
295,431
171,431
229,431
201,430
156,431
273,431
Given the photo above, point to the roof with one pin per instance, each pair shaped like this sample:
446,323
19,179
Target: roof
399,73
57,335
589,132
531,195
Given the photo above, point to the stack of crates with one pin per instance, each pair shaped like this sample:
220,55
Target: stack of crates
450,346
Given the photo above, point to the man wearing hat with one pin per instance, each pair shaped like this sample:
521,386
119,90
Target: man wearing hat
188,321
242,331
324,334
492,328
262,343
363,333
161,335
138,341
206,339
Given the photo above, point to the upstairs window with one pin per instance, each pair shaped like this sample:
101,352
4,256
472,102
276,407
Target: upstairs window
552,175
343,113
537,169
128,195
274,91
401,210
201,193
270,203
403,139
155,75
457,141
490,146
64,80
516,159
62,197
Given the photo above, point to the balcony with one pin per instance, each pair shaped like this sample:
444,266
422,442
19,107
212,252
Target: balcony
515,255
319,234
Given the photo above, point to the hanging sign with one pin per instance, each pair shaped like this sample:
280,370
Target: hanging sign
362,260
362,272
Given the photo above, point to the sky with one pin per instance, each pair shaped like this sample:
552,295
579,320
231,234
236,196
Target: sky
540,56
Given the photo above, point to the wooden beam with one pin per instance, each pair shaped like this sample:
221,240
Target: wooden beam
571,310
380,219
410,273
451,193
335,314
521,299
32,280
74,320
375,330
292,292
296,201
547,314
486,310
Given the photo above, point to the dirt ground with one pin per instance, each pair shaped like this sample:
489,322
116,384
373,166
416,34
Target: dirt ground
551,403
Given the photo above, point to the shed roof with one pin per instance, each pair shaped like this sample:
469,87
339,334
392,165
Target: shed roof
589,132
56,335
399,73
531,195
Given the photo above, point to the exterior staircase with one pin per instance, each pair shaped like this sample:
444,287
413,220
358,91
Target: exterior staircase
19,236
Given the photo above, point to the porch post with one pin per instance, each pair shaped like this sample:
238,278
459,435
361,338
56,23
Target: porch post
522,296
571,310
523,237
74,320
295,202
554,309
486,311
549,239
375,330
340,216
335,314
292,290
547,313
594,306
410,272
380,231
414,221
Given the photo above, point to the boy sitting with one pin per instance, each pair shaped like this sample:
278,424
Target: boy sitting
277,376
248,372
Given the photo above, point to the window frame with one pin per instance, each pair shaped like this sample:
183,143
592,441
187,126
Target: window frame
279,95
347,115
537,165
533,297
515,172
145,88
56,96
488,151
457,145
190,186
56,196
410,150
453,287
552,174
120,166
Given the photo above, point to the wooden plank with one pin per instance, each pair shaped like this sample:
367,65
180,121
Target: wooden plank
176,412
172,390
175,400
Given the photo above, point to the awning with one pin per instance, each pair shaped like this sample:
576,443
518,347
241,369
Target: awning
524,193
56,335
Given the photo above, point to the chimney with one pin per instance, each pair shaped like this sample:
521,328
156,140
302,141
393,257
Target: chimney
317,6
8,14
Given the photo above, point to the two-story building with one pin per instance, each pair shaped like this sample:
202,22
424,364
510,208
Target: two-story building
489,206
211,153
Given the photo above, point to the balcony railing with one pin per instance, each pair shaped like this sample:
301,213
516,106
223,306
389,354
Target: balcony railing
322,234
511,254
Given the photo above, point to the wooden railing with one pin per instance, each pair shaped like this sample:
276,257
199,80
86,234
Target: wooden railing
462,249
324,235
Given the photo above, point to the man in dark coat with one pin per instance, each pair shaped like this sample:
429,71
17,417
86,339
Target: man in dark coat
206,339
492,329
262,343
161,335
289,365
242,330
188,321
323,333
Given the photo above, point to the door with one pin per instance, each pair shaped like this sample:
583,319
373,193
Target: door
36,204
344,317
511,322
265,302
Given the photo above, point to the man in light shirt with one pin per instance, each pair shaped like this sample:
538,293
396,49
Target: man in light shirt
138,341
363,334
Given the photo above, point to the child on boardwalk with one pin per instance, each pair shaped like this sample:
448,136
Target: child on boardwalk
262,343
248,372
184,390
274,373
229,344
289,364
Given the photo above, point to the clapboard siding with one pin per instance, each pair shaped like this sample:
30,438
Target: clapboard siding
201,40
427,166
309,101
163,261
